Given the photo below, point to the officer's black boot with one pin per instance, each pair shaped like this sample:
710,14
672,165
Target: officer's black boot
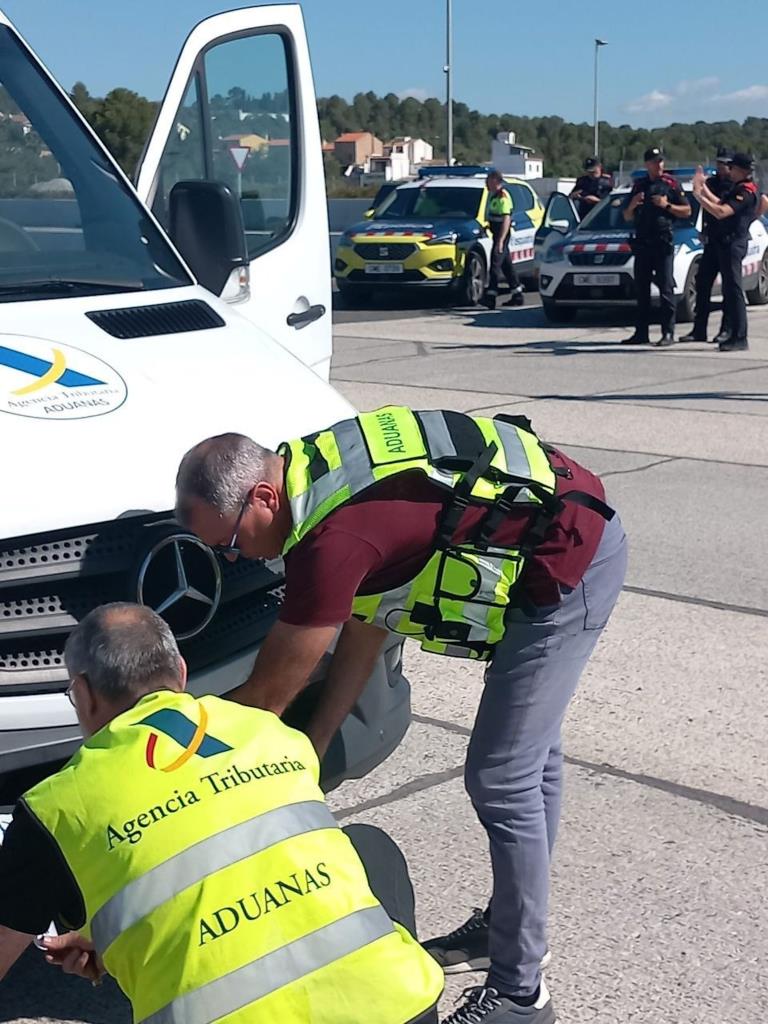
723,336
635,339
696,334
665,340
733,344
489,300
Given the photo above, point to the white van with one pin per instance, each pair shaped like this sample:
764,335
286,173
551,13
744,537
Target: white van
119,349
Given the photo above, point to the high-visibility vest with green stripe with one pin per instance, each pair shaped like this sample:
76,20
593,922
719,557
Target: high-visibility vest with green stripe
457,604
217,885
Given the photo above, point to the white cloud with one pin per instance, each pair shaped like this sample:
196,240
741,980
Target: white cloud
415,93
749,94
654,100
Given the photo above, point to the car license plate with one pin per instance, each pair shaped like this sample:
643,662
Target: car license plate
384,268
585,280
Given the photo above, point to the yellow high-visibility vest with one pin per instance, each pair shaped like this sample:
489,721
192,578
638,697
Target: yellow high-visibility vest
217,885
457,604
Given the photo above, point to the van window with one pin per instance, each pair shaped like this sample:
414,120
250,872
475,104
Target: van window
237,125
69,224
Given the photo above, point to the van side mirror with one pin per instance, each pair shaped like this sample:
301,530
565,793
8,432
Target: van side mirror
206,223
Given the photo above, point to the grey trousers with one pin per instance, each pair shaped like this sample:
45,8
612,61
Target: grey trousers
514,769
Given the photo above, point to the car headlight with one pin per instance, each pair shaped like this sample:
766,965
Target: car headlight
446,239
554,254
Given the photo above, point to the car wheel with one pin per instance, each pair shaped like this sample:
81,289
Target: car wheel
354,296
758,296
686,304
558,314
472,285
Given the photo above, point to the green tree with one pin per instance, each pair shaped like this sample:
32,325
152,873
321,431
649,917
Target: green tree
122,120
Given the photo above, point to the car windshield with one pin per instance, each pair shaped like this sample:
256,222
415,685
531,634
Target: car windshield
431,202
69,225
608,215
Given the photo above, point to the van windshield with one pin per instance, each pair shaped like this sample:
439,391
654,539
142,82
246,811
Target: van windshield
68,223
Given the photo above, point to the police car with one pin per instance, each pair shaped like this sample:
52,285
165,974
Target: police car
433,232
590,264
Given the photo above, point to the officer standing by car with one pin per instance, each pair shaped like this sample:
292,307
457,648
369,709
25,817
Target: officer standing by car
718,184
733,214
655,202
591,187
499,213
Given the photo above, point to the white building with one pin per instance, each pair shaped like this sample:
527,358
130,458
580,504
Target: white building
509,157
416,150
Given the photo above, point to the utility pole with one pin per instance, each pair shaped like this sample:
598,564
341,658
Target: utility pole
448,69
598,44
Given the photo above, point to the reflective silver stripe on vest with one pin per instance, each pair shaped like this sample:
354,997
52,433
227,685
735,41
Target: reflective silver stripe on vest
514,450
304,505
291,962
145,894
438,437
355,459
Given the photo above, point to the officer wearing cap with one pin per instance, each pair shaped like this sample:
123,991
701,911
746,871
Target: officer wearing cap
592,186
732,215
655,203
708,269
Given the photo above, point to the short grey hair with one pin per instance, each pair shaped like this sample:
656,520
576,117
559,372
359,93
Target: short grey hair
124,650
220,471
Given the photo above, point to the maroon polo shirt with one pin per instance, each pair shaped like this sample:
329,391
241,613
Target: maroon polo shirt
384,538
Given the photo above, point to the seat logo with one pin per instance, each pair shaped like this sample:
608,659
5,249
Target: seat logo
47,380
193,738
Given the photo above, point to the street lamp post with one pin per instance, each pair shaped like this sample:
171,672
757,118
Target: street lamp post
448,69
598,44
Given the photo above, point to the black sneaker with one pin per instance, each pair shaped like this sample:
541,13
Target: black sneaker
664,341
489,301
487,1006
693,336
466,947
721,336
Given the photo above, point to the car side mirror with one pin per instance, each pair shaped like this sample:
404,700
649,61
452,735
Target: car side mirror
206,223
560,225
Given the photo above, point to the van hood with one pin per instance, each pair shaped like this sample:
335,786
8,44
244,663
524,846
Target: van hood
92,427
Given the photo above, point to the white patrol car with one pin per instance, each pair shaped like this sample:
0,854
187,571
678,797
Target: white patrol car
590,264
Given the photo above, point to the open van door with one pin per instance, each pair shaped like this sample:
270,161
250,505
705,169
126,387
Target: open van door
560,218
240,111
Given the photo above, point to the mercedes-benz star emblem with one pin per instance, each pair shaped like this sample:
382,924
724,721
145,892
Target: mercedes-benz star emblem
180,578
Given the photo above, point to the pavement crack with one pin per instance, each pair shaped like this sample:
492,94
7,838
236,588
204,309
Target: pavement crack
416,785
718,801
703,602
639,469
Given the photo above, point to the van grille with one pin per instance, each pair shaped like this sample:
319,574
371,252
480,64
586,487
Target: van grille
50,581
165,318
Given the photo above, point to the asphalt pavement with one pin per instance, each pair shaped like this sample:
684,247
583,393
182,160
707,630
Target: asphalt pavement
661,871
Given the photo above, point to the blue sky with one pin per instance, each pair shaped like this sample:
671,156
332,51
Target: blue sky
663,63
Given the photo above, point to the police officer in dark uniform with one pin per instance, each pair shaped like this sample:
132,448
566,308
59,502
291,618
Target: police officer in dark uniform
718,184
499,212
732,216
591,187
654,204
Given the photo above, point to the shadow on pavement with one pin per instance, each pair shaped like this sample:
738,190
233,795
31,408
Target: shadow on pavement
35,989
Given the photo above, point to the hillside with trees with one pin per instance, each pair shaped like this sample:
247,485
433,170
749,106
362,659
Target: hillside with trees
123,118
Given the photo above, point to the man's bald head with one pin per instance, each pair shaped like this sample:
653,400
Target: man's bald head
220,472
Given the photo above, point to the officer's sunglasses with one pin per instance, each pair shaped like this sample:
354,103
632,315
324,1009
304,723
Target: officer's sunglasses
232,548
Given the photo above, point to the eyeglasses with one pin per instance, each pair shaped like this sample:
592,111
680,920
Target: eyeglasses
232,548
68,692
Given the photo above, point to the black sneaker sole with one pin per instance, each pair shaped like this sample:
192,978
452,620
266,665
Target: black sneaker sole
483,963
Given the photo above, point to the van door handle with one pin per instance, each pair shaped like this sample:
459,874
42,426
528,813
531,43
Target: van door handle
308,316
